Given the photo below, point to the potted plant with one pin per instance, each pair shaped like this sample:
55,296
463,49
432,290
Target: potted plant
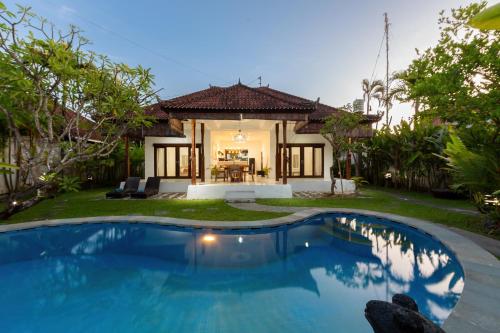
213,171
266,171
358,183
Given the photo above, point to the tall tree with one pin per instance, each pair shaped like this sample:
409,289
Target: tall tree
399,90
488,19
61,103
374,89
457,80
337,130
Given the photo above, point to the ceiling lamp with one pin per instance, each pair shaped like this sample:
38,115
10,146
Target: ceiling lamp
240,137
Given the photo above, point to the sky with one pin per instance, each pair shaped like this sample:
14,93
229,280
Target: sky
307,48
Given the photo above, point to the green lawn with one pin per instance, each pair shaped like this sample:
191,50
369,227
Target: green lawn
426,197
92,203
381,200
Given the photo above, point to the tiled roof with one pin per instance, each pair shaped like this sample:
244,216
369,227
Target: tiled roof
156,111
315,128
322,111
242,98
239,97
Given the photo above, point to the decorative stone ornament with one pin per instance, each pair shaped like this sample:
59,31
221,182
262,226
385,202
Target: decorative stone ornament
400,316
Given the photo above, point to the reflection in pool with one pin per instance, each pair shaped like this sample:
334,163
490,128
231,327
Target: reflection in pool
313,276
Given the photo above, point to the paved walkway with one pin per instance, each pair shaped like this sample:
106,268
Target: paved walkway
489,244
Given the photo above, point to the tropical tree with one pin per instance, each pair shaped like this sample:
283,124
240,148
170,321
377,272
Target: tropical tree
61,103
336,130
372,90
399,87
488,19
457,80
475,172
408,155
6,168
456,83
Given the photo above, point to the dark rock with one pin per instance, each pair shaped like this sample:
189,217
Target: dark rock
386,317
405,301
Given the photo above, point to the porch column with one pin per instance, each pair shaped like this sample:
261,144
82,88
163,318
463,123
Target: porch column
193,151
202,153
278,155
126,158
285,157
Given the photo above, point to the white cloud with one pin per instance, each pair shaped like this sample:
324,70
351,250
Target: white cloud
64,11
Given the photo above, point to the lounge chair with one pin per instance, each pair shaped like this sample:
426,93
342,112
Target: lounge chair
131,185
152,188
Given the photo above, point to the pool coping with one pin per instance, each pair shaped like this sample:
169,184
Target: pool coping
476,311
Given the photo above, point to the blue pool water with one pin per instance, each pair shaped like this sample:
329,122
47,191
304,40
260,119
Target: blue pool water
313,276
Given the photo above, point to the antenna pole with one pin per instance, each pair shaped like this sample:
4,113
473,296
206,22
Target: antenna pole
386,30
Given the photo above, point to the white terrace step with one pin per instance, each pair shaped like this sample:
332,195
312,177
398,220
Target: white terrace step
240,196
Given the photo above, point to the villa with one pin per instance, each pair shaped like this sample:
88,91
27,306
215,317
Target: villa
253,139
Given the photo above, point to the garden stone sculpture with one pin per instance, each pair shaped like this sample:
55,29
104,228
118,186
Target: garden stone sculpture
400,316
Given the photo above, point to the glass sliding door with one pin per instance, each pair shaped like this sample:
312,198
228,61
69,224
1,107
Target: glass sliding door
184,165
171,162
304,160
174,160
160,162
318,162
197,161
295,162
285,167
308,161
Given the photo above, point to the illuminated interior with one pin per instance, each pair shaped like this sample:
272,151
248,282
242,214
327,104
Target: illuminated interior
226,149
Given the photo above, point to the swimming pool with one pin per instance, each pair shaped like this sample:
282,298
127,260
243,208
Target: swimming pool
313,276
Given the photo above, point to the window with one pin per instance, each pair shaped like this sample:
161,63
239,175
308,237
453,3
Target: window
308,162
160,162
174,160
305,160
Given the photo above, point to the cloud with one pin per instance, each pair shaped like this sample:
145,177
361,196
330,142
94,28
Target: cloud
65,11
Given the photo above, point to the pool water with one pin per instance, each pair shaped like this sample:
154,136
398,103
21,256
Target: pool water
312,276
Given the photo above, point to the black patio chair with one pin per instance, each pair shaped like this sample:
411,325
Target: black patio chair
131,186
152,188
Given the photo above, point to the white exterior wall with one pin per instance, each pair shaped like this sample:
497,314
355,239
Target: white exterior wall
220,191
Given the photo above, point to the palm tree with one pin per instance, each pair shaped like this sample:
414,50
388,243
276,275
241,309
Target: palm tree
400,88
374,89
